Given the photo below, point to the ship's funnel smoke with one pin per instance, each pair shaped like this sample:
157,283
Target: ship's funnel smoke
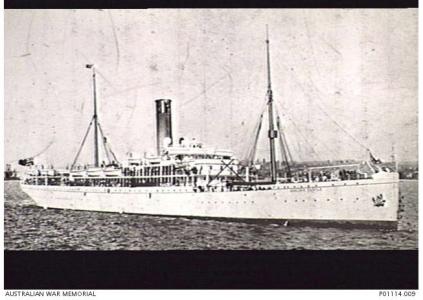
163,124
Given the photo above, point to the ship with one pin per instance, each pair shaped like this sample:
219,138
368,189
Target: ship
187,179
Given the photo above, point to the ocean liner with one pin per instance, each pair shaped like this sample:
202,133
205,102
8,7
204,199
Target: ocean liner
190,180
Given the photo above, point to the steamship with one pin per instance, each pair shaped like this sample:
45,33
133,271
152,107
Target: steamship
187,179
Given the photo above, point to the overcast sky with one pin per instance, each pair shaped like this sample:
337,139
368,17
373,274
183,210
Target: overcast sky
355,69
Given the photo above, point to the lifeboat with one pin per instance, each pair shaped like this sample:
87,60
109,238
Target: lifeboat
112,172
95,172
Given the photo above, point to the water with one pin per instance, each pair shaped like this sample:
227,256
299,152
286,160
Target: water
28,227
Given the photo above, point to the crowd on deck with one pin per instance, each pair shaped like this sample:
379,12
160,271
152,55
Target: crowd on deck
327,175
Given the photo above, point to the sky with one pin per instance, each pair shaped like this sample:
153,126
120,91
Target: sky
343,80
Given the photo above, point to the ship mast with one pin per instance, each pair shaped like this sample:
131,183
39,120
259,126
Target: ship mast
97,127
272,132
95,118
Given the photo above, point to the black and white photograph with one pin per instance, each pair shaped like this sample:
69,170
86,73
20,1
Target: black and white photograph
210,129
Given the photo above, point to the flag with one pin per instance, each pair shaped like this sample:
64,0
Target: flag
89,66
374,159
26,162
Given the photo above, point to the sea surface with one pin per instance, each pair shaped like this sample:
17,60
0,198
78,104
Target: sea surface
27,227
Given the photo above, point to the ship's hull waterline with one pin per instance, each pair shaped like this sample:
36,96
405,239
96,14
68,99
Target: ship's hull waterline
349,202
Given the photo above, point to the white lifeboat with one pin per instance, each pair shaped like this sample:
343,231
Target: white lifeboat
112,172
78,173
95,172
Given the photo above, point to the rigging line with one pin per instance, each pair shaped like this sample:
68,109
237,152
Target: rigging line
288,151
114,156
250,148
105,79
340,126
104,143
330,117
284,141
285,156
28,38
248,151
136,87
45,149
254,148
97,70
115,39
251,151
324,144
301,135
308,96
211,178
204,90
287,148
308,34
109,148
282,145
262,110
301,153
82,144
38,154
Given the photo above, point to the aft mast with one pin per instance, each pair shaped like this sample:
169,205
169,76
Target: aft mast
272,132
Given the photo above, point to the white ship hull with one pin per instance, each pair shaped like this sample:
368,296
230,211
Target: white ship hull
340,201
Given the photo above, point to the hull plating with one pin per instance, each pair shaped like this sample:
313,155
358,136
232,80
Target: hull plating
325,201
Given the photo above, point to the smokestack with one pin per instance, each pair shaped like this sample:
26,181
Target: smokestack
163,123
